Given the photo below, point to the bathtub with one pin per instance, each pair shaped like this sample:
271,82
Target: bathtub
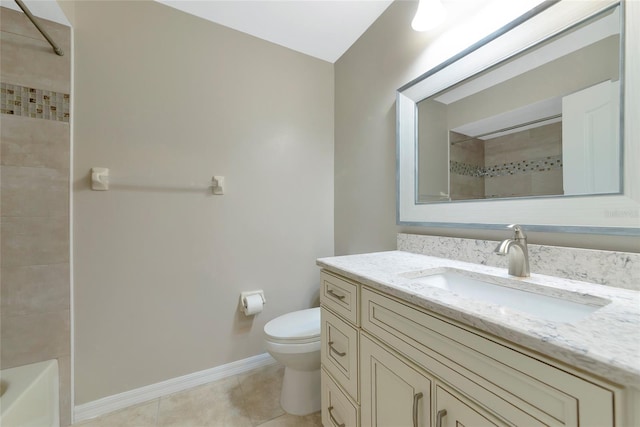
29,395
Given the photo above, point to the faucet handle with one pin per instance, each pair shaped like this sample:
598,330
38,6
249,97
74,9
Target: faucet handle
519,232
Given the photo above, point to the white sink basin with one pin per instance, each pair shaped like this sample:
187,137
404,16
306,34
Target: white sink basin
546,307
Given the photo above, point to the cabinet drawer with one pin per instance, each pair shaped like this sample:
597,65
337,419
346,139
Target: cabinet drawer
454,411
337,409
339,351
534,393
341,296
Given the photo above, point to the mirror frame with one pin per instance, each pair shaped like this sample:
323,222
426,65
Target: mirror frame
615,214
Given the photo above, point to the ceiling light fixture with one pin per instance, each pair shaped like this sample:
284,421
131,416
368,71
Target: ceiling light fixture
429,15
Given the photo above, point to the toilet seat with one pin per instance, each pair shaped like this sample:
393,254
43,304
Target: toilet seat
298,327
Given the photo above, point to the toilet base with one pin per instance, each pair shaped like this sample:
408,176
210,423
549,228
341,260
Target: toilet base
300,392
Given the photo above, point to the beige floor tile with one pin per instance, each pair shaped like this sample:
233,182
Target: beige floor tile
216,404
143,415
261,393
312,420
250,399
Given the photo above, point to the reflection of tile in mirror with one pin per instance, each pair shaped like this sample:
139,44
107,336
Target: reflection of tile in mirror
529,144
466,187
546,183
470,151
508,186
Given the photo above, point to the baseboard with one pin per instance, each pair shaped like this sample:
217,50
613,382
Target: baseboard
153,391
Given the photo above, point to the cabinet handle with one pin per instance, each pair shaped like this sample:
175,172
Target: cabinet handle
336,296
333,420
416,398
439,416
341,354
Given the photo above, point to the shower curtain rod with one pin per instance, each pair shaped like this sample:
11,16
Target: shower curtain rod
32,18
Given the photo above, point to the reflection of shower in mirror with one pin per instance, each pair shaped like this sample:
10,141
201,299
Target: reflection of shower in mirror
517,130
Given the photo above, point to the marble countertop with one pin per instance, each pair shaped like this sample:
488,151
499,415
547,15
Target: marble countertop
605,343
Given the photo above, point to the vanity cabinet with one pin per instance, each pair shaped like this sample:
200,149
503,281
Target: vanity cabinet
339,354
397,364
395,392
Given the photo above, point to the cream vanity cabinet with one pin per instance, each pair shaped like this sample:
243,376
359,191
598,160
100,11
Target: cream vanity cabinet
340,318
388,363
397,393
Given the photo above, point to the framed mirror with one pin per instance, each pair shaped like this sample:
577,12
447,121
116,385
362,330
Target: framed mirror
526,126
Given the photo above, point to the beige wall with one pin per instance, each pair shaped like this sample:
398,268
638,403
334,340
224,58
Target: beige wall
166,101
366,79
34,230
386,57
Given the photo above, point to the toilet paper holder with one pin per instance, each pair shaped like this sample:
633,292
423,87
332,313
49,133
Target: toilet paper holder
245,295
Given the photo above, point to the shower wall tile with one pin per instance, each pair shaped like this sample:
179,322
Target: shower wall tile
35,289
525,163
34,195
466,187
64,387
13,21
34,192
34,241
29,60
33,338
528,144
465,167
34,103
547,182
469,151
34,143
508,185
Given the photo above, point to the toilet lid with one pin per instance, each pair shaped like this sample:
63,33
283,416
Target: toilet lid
300,325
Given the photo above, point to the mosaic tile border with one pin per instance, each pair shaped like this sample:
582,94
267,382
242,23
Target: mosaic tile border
35,103
511,168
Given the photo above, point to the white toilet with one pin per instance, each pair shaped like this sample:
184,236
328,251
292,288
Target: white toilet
293,339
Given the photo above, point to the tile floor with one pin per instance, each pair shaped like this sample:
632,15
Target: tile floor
246,400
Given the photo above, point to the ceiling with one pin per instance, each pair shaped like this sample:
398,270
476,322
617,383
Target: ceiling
324,29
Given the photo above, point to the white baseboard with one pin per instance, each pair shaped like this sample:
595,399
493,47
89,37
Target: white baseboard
164,388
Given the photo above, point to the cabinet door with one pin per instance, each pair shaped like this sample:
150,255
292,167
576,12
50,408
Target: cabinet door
452,411
394,394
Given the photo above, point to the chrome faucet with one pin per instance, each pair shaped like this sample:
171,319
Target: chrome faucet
519,256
